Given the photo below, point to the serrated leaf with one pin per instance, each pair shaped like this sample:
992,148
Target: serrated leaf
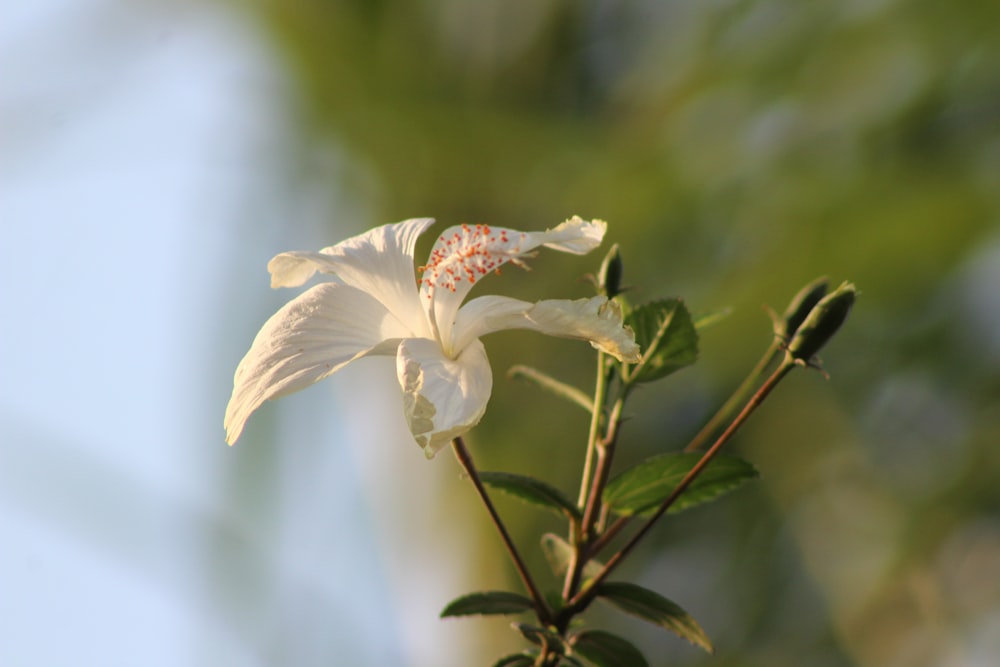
559,554
607,650
515,660
488,602
653,607
667,337
640,490
531,490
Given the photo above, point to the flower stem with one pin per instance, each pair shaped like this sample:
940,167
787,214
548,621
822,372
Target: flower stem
465,460
600,389
605,450
735,399
593,480
583,598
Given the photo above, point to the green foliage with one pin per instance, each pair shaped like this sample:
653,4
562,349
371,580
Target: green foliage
667,337
653,607
487,603
531,490
739,155
607,650
641,489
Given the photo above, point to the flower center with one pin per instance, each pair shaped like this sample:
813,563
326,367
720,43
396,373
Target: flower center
468,254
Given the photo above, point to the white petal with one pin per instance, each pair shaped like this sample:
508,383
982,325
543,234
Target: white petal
442,398
380,262
311,337
596,320
575,235
465,254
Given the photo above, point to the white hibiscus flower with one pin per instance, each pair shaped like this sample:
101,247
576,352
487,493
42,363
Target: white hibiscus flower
374,305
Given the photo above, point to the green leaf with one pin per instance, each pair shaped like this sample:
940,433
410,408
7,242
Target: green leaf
489,602
653,607
607,650
667,337
531,490
559,554
640,490
516,660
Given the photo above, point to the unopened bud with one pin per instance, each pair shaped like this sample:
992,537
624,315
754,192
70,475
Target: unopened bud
609,279
799,308
822,323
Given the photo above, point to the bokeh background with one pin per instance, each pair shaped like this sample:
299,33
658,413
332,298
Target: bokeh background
156,154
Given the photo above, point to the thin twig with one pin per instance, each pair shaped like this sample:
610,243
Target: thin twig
722,414
581,599
595,421
465,459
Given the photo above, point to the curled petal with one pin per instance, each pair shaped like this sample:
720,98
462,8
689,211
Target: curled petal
379,262
442,397
595,320
312,336
576,235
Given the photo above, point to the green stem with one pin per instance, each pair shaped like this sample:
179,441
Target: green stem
465,460
578,532
605,448
600,390
606,453
696,443
735,399
583,598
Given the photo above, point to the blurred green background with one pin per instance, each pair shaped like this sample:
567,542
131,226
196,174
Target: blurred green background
737,150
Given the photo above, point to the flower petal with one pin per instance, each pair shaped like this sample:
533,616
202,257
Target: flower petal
312,336
576,235
442,398
596,320
379,262
465,254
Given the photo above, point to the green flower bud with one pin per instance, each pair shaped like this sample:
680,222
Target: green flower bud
822,323
609,278
799,308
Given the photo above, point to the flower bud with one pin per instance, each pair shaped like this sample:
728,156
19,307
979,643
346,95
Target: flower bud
799,308
609,278
822,323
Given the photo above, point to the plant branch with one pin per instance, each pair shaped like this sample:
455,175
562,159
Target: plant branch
600,390
581,599
578,532
735,399
605,456
605,448
465,460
